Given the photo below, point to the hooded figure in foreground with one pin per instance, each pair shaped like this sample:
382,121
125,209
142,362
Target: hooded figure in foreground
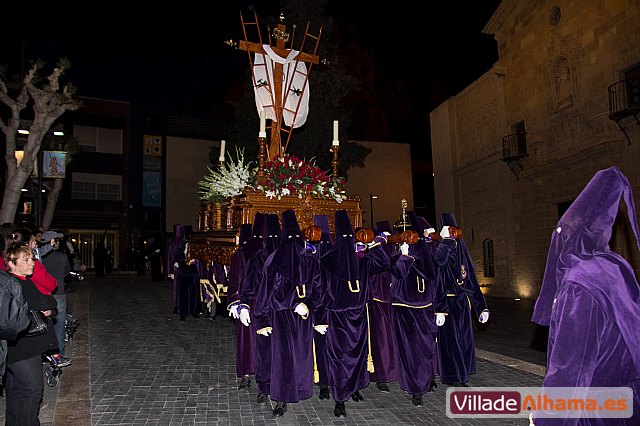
346,296
590,299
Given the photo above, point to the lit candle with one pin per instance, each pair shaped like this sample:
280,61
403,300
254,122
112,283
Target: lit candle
336,140
221,157
263,124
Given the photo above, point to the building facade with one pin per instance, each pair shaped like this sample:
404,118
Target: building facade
513,149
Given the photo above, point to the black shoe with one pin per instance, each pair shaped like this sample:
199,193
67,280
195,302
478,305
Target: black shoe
432,386
461,385
324,392
382,387
245,382
280,409
357,397
417,400
340,411
433,383
182,317
262,399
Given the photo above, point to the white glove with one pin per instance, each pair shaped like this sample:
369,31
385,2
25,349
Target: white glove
385,233
302,310
440,318
171,276
265,332
444,232
245,319
428,231
484,317
404,249
176,265
233,312
322,329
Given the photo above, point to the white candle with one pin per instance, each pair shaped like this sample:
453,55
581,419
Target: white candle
336,139
222,144
263,124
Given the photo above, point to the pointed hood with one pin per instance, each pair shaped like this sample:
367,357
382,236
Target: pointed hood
384,226
448,219
287,259
256,242
579,252
322,220
273,231
341,260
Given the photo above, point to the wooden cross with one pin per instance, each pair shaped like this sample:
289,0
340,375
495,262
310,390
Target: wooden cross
281,36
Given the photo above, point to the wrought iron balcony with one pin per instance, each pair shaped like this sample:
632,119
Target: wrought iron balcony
514,147
624,101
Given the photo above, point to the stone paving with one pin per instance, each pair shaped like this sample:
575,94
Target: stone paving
135,363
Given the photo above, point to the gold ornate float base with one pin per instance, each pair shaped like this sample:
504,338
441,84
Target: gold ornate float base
219,224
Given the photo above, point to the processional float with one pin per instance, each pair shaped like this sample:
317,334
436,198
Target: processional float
280,77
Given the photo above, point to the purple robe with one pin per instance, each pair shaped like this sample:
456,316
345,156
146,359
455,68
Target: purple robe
456,271
289,278
590,299
321,367
416,297
382,333
347,293
245,336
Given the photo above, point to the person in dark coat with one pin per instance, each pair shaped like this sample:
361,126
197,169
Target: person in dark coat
155,262
250,287
590,300
347,293
100,259
175,255
14,313
457,273
24,388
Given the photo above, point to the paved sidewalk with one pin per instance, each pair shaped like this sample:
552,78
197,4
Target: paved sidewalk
134,363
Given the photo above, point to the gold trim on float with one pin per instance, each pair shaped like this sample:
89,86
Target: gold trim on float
357,289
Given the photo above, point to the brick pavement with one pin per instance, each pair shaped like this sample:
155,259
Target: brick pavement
136,364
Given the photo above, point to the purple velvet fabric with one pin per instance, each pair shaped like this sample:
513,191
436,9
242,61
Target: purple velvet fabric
456,272
245,336
590,298
416,296
382,333
250,286
288,280
346,295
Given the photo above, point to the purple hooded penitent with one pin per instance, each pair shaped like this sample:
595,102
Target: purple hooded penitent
457,275
590,297
347,292
288,282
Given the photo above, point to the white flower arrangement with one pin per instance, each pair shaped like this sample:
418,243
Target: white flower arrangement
229,180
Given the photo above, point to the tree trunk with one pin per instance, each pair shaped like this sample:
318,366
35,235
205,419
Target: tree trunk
52,201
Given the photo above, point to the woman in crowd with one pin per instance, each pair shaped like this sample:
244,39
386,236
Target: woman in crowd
24,386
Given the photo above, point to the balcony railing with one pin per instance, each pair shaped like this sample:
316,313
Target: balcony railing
624,101
624,98
514,147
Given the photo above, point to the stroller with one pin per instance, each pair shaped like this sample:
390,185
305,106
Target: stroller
53,371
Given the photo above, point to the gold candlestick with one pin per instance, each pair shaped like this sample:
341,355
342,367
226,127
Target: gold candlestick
335,162
262,156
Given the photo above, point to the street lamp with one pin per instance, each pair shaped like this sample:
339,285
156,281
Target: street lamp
371,198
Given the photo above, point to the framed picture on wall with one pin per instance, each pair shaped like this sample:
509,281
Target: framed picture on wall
54,164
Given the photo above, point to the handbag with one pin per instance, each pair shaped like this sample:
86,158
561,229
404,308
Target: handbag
38,325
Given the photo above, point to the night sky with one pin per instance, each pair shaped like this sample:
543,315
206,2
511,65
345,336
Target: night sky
176,57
